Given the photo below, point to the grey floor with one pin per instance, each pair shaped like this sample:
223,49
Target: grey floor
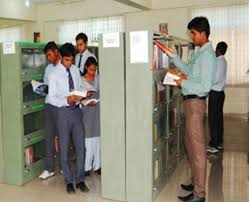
227,177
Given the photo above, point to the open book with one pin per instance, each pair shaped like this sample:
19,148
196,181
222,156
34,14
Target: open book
172,75
88,101
39,88
80,93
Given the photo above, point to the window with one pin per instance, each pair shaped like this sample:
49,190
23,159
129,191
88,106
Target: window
92,27
231,24
11,34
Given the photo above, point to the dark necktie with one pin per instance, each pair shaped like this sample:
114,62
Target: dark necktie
71,84
70,80
80,64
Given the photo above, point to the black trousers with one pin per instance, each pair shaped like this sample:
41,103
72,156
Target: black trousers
215,117
51,131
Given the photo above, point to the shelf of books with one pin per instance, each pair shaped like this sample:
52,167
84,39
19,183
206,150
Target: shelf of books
22,111
154,118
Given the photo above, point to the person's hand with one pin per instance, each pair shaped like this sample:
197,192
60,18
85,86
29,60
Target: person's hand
170,52
178,82
73,99
89,93
70,99
92,104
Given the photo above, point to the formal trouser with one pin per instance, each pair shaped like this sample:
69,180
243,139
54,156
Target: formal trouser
194,110
93,154
51,132
70,125
215,117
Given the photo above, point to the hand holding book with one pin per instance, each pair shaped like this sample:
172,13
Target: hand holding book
169,51
174,77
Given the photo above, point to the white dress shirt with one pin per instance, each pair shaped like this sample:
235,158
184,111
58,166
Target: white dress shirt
58,83
85,55
221,74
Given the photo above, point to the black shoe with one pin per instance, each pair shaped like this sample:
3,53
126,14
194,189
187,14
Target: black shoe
185,198
82,186
196,199
98,171
189,187
87,174
70,189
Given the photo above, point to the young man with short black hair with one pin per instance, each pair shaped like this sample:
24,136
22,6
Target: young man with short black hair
216,101
83,52
52,52
64,79
200,76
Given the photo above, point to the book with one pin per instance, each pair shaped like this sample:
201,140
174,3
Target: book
155,133
39,88
88,101
160,59
159,45
172,75
29,157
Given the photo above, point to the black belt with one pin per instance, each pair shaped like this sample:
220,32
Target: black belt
187,97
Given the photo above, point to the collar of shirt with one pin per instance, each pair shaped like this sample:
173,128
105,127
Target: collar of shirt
85,52
206,46
63,68
220,57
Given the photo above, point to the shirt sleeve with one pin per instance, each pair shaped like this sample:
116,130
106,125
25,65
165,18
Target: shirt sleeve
208,65
45,78
54,95
185,68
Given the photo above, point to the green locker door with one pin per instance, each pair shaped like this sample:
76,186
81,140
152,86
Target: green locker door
1,134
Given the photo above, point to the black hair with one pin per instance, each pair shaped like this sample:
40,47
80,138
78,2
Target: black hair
82,36
67,50
222,47
90,61
200,24
51,46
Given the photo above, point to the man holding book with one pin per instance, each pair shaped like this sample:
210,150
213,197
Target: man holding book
195,89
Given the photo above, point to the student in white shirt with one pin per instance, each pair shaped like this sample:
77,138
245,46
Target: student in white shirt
216,101
83,52
52,52
64,79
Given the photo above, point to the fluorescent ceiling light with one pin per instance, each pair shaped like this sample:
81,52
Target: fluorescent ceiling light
27,3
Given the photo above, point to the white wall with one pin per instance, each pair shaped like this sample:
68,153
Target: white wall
177,19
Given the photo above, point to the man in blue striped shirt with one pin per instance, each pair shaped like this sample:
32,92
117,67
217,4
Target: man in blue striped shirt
200,77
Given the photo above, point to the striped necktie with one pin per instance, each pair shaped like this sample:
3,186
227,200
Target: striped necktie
71,85
70,80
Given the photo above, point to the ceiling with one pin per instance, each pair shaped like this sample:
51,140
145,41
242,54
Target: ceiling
55,1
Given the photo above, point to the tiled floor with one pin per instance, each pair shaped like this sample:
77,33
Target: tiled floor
227,177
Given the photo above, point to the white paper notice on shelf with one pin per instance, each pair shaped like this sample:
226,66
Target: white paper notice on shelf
139,49
9,48
111,40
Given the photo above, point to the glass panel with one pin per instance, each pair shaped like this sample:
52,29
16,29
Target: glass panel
172,148
162,124
27,59
28,94
34,153
33,122
40,58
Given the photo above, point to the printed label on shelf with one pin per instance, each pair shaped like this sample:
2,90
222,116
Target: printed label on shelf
111,40
139,47
9,48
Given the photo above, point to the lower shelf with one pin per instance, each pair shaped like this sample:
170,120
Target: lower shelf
30,172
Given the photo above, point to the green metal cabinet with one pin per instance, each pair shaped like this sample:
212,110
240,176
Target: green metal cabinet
1,135
22,112
154,124
112,95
